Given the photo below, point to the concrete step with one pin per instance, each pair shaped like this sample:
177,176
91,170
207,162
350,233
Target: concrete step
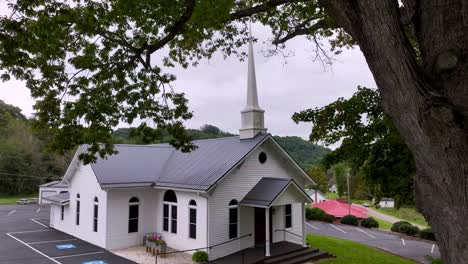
309,257
291,255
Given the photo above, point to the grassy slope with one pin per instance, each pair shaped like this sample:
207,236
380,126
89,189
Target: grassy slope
11,199
383,224
349,252
405,213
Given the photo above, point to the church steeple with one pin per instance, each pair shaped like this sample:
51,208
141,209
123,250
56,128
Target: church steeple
252,115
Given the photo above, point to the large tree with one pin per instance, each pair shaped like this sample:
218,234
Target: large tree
89,64
369,143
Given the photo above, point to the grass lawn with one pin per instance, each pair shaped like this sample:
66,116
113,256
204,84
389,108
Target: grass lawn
11,199
332,196
383,224
349,252
406,213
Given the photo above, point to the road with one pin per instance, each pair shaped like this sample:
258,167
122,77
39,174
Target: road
416,250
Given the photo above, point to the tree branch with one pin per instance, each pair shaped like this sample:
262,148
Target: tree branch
300,30
261,8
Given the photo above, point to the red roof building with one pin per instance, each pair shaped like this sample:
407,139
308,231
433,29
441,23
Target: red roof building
339,209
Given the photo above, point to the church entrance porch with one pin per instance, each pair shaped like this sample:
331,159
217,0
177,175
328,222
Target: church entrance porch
273,211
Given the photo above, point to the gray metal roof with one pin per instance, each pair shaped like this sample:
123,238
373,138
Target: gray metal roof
265,191
162,165
61,199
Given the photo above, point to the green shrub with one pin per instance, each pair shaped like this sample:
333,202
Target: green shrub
369,222
200,256
313,213
427,234
409,229
328,218
349,220
396,225
433,260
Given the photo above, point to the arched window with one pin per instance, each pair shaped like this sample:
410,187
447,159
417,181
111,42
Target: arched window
77,209
233,218
170,212
133,211
193,219
95,214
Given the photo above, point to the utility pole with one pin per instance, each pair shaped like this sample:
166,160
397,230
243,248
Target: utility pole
349,196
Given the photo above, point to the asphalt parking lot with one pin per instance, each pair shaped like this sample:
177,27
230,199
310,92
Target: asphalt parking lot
26,238
416,250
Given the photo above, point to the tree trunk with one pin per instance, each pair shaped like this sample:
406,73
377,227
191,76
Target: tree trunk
426,94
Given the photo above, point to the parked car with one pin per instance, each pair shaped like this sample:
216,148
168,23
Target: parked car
366,204
22,201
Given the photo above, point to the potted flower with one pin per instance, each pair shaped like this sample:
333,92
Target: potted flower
156,243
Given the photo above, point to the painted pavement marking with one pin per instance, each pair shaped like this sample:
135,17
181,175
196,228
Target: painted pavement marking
432,249
11,212
338,228
65,246
31,231
365,232
403,241
77,255
52,241
37,211
39,223
312,226
37,251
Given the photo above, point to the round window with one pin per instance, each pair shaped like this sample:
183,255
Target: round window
262,157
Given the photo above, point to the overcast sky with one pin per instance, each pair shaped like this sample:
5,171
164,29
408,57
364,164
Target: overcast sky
216,88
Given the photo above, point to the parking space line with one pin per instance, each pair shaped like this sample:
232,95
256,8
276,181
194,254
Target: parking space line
39,223
77,255
19,240
403,241
365,232
432,249
11,212
312,226
51,241
31,231
37,211
338,228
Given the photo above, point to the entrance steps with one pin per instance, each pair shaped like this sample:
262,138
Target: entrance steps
298,256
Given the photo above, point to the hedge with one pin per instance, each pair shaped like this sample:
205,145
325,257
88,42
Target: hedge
427,234
200,256
328,218
349,220
405,228
314,213
369,222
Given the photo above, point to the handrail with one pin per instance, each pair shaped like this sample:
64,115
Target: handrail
284,230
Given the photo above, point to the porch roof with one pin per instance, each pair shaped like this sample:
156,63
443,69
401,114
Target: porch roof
267,190
60,199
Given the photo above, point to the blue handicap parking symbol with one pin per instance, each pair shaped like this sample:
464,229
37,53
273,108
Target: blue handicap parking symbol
65,246
94,262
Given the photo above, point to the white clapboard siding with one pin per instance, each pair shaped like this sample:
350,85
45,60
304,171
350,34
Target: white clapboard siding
236,186
83,182
181,240
118,216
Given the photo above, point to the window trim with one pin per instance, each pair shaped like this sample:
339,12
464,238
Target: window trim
171,204
192,206
233,204
135,202
286,216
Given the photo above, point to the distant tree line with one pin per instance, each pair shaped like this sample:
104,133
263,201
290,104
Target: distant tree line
24,162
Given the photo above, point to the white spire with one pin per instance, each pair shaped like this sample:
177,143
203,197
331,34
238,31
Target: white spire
252,97
252,115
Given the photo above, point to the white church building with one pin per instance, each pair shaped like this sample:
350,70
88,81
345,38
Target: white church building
241,191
